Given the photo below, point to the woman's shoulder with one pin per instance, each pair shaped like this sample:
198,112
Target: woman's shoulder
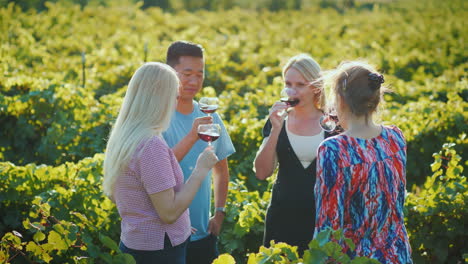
394,131
153,144
393,128
387,131
332,142
267,128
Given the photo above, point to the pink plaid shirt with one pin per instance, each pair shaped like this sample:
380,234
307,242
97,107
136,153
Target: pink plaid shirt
153,169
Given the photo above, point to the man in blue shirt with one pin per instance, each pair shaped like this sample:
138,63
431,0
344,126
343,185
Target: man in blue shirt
188,61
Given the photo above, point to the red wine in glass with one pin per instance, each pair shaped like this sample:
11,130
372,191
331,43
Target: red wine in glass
208,109
290,102
209,132
208,137
287,97
208,105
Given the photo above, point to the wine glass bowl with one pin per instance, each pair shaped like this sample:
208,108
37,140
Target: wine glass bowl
208,105
329,121
288,97
209,132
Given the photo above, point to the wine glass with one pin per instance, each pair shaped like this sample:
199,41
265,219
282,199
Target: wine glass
209,132
208,105
328,121
287,97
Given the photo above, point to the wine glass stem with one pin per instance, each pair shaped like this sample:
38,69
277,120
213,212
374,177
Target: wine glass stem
209,143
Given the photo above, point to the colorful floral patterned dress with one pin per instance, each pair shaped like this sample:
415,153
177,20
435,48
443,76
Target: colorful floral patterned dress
360,189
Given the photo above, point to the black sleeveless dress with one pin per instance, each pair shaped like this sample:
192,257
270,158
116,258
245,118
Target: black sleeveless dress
290,217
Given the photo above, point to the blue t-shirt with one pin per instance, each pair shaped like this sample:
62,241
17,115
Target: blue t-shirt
180,126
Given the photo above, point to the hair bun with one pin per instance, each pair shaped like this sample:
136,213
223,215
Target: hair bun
375,80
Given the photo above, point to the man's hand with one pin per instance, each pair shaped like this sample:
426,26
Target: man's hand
184,146
214,226
200,121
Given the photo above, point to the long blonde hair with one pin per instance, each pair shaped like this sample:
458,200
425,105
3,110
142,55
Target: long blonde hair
311,71
146,111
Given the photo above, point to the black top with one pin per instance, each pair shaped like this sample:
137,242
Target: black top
291,214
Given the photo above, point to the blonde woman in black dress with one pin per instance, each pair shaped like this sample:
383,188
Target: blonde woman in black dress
290,142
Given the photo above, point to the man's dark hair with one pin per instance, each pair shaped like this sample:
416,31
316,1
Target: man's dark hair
182,48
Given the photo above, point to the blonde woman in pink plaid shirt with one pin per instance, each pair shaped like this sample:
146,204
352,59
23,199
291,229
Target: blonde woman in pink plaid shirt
142,175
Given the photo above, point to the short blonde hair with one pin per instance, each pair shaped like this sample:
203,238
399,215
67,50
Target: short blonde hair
146,111
311,71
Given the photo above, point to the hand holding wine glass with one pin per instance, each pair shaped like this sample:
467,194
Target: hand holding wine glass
277,118
209,132
203,120
207,159
208,105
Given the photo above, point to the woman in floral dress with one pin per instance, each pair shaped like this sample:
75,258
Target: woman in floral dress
361,177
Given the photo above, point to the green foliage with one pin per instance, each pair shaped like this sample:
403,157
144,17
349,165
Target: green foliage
323,249
437,212
224,259
58,214
41,58
53,121
274,5
244,220
426,122
57,241
276,253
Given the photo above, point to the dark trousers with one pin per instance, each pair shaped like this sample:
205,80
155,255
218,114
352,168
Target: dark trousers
202,251
168,255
